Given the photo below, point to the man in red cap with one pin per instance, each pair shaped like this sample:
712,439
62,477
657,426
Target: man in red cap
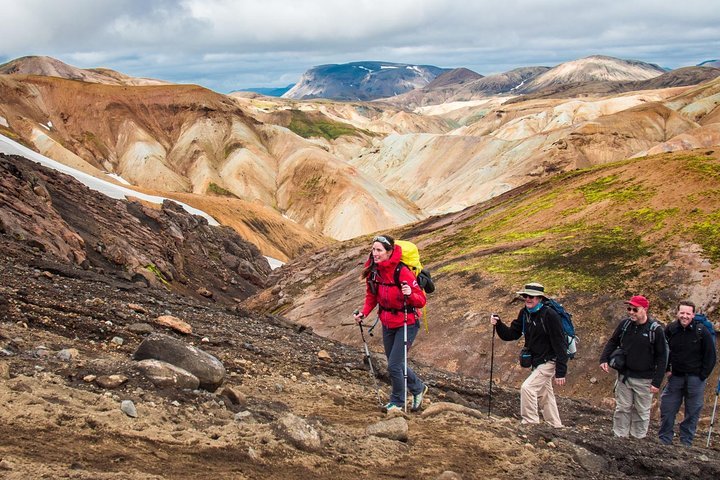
637,349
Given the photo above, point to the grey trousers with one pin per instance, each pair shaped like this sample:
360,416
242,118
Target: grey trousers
632,409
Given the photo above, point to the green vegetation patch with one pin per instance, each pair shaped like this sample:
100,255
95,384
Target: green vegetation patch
158,274
610,187
706,233
654,218
303,125
216,189
598,261
702,164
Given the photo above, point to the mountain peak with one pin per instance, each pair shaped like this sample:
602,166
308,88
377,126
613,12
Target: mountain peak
52,67
367,80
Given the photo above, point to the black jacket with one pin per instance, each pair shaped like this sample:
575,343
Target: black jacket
544,337
643,360
692,350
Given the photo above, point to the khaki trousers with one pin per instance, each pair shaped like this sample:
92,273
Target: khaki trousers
632,408
536,390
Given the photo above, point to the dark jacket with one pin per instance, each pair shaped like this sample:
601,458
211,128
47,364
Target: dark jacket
692,350
544,337
643,360
381,290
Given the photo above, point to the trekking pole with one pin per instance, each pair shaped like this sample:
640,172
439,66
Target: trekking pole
405,346
492,363
712,418
369,360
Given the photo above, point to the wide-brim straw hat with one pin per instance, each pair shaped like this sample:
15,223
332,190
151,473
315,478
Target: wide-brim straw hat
533,289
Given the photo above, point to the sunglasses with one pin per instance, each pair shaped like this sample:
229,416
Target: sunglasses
382,240
632,309
525,295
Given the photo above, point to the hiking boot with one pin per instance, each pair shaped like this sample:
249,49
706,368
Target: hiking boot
390,407
417,399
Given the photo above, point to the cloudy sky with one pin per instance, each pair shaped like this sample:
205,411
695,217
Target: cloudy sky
231,44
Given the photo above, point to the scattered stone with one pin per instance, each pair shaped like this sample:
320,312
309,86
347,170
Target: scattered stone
128,407
6,465
204,292
175,403
117,341
298,432
141,328
234,396
163,374
449,475
111,381
590,461
174,323
394,429
241,416
205,340
94,302
89,378
40,352
208,369
324,355
137,308
593,380
4,371
551,445
68,354
703,458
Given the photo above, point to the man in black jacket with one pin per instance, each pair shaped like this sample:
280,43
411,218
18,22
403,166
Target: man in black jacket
545,340
692,359
643,341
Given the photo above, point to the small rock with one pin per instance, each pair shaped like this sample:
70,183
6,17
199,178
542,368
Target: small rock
529,446
449,475
111,381
137,308
240,416
279,388
128,407
4,371
94,302
593,380
175,403
394,429
551,445
141,328
204,292
117,341
205,340
6,465
236,397
323,355
703,458
89,378
174,323
298,432
67,354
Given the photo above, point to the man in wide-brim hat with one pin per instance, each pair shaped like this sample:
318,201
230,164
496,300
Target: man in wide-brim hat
545,351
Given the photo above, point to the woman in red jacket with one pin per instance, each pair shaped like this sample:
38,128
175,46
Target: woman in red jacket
394,303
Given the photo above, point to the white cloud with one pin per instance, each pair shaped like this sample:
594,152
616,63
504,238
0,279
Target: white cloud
229,44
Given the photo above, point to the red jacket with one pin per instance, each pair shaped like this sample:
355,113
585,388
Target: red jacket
389,296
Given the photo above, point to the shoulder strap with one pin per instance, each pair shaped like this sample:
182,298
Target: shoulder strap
399,267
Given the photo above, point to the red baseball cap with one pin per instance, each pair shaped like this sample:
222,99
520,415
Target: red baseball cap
638,301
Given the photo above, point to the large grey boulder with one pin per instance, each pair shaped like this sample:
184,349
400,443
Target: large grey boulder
164,374
208,369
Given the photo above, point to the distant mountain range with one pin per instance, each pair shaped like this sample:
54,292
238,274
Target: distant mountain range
362,80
